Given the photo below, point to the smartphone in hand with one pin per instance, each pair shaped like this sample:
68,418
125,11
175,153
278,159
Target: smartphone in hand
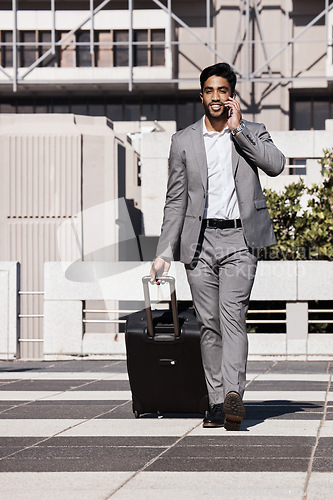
230,111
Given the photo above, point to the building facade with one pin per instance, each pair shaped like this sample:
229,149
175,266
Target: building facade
140,59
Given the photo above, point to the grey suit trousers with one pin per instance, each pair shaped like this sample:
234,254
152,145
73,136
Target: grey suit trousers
221,276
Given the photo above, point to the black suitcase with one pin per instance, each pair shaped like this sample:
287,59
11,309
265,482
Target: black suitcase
164,359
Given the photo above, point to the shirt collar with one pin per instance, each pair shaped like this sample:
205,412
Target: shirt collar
211,133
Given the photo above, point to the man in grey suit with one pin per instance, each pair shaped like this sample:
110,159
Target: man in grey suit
216,212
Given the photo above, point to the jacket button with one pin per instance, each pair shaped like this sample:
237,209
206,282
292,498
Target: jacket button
200,217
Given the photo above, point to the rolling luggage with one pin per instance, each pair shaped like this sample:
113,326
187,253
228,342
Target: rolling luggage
164,359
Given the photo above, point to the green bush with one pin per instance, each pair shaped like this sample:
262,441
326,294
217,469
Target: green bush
303,232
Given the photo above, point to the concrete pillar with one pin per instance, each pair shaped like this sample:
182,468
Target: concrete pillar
9,309
297,329
63,329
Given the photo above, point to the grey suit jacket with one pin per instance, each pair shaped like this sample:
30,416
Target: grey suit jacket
253,148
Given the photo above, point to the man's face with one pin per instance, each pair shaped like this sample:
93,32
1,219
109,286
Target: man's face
215,92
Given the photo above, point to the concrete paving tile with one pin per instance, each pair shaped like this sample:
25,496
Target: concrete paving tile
293,411
42,385
9,404
106,385
69,458
266,428
245,440
136,427
238,464
327,429
320,486
91,395
5,453
325,447
287,385
110,441
4,383
329,414
24,395
259,366
300,367
213,485
66,385
21,366
322,464
240,451
41,411
42,375
78,402
34,428
79,365
21,442
11,445
89,366
69,395
316,377
61,485
312,396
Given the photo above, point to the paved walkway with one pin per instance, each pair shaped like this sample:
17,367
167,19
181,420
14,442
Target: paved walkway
67,432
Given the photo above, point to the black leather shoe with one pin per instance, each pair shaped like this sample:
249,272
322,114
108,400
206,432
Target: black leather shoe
234,410
215,417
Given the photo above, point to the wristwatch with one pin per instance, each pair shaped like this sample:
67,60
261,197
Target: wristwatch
238,129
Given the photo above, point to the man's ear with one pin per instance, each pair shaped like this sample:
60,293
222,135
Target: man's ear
201,96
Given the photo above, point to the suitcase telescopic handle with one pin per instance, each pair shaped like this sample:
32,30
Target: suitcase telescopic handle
150,325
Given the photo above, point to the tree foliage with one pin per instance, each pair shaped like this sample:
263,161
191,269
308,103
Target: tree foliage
303,218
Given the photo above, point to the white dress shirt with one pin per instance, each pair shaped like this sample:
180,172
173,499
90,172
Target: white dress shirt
221,199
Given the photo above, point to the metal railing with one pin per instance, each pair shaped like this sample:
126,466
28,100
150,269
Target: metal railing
30,316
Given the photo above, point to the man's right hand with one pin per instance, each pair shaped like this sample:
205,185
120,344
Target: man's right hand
159,268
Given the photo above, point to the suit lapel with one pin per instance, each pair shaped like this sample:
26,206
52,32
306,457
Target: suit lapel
234,158
200,152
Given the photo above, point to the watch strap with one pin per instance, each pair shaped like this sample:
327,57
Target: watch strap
238,129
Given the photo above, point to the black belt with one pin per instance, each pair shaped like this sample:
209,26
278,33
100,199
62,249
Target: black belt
222,223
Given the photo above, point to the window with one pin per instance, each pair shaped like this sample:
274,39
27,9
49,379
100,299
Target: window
149,111
28,49
145,53
114,111
140,52
116,108
157,51
309,112
75,52
6,50
120,52
132,112
83,56
297,166
44,38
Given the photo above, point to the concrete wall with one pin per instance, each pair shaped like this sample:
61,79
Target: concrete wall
307,145
62,199
9,309
293,282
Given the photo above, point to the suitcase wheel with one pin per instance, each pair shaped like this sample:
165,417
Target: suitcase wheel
136,414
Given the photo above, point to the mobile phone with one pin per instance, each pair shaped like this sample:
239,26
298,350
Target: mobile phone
230,109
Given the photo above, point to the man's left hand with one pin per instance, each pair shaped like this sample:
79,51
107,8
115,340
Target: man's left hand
236,118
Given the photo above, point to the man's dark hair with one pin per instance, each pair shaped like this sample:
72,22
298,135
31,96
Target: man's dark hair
219,69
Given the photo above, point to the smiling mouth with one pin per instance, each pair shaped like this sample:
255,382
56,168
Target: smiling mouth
216,107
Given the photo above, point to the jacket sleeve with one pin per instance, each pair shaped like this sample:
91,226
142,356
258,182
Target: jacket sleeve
175,204
261,150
